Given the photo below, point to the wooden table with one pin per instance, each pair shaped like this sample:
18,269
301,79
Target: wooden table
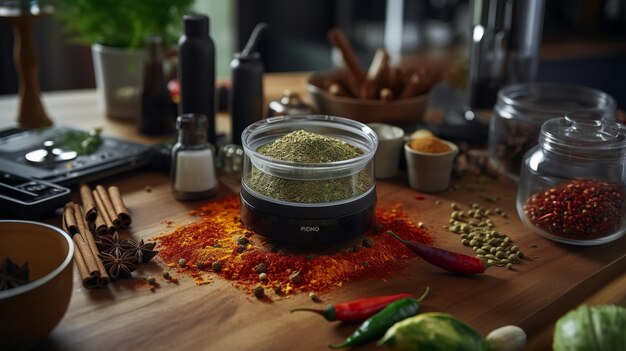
555,278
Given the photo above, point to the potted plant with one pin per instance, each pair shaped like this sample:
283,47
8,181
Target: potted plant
116,29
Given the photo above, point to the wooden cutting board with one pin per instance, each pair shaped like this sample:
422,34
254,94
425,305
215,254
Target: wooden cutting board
217,316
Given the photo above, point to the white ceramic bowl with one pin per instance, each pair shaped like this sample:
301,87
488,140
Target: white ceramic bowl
430,172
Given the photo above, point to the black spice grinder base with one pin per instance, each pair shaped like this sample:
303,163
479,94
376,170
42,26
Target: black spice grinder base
305,225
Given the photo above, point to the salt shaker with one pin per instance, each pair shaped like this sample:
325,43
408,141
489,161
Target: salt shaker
193,168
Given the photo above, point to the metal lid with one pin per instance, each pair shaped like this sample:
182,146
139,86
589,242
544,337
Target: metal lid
192,128
196,25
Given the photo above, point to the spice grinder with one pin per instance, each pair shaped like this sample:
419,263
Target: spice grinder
308,203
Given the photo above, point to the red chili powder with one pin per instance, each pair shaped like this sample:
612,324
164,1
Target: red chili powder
219,236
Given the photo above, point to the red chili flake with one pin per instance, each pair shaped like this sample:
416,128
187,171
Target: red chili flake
580,209
420,197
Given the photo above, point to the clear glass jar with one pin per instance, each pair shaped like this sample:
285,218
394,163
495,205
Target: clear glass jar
522,108
312,183
572,184
308,203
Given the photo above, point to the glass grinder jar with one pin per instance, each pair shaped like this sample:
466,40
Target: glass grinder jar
308,203
572,185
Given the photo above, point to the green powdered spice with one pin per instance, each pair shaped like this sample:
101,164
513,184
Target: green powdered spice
305,147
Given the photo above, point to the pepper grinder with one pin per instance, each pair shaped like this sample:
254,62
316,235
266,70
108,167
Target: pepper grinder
506,36
246,95
193,162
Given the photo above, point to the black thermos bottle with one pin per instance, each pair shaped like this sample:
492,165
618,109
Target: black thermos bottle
196,70
246,95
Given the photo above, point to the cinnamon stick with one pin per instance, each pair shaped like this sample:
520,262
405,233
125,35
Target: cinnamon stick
89,204
89,281
89,239
337,90
108,205
85,252
120,208
100,228
412,87
103,213
379,69
80,220
68,218
386,94
348,82
368,90
396,80
376,76
338,39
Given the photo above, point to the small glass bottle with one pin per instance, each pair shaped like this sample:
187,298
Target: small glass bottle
193,166
572,186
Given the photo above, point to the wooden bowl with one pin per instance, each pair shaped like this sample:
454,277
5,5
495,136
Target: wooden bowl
400,112
28,313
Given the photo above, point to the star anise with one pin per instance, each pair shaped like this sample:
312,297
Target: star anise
143,252
110,243
12,275
119,264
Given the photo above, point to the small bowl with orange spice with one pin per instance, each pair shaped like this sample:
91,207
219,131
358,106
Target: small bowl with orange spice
429,162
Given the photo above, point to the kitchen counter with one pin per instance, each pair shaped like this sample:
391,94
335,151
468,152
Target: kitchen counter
553,279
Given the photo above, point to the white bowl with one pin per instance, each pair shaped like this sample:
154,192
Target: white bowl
430,172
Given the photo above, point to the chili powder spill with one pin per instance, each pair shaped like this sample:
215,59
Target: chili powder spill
219,244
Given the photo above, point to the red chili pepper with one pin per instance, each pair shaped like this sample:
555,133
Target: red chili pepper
448,260
546,216
356,310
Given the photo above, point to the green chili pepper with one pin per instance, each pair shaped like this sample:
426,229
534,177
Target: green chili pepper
378,324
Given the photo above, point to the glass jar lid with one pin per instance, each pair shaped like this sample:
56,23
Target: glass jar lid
539,102
578,136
